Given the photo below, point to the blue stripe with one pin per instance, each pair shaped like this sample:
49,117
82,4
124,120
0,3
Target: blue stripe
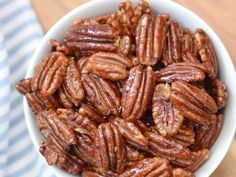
28,166
4,82
18,137
4,100
4,135
15,14
4,150
17,120
25,41
5,3
17,102
42,169
19,28
22,60
20,154
3,63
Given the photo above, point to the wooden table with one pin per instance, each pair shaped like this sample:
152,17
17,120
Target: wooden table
220,15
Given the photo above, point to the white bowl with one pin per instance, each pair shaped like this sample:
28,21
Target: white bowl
187,19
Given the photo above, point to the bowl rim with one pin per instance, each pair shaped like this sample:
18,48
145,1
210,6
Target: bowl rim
74,12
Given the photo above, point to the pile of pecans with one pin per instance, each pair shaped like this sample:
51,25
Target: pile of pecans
128,94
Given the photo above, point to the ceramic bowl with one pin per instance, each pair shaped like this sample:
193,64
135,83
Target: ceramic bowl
187,19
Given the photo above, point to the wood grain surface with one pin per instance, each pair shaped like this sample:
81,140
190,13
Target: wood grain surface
220,15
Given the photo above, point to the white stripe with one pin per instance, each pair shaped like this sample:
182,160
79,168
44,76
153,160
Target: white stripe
3,55
5,89
17,111
4,72
17,129
23,143
18,74
4,109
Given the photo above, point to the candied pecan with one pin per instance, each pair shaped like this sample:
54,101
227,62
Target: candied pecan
96,20
180,172
124,47
38,102
82,62
194,103
185,136
64,98
72,88
24,86
206,52
131,132
199,158
137,92
180,71
217,90
102,94
111,149
109,66
82,38
170,149
49,74
132,156
173,50
149,167
79,123
54,156
166,116
91,112
59,47
95,172
206,135
151,38
189,51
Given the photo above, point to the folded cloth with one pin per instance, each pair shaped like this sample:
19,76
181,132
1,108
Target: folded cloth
20,33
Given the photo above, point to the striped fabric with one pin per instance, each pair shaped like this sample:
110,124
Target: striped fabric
20,33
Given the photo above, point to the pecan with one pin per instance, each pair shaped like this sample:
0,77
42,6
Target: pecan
180,172
180,71
206,135
64,161
189,51
167,118
150,38
38,102
124,47
131,132
109,66
149,167
72,87
49,124
82,62
24,86
173,50
94,172
185,136
194,103
199,158
137,92
111,149
132,156
59,47
91,112
206,52
49,74
82,38
170,149
218,91
102,94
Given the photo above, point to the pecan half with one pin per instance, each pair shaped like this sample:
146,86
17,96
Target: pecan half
131,132
137,92
199,158
111,149
102,94
59,47
81,63
109,66
206,135
194,103
180,71
95,172
124,47
132,156
151,38
49,74
180,172
167,117
72,85
82,38
91,112
170,149
206,52
24,86
173,50
217,90
148,167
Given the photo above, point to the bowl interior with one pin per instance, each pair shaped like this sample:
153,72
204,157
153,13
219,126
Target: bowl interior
187,19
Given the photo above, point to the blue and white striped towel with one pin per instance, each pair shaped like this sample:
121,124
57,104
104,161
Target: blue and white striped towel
20,33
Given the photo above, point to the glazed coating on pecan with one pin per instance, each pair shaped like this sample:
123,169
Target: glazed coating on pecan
125,94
